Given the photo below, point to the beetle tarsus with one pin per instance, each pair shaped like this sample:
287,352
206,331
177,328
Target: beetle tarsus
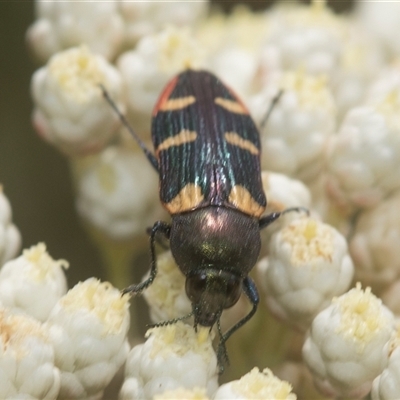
250,290
268,219
222,354
297,209
163,228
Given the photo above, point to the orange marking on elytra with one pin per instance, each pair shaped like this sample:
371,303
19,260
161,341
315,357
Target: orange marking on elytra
187,199
236,140
184,136
241,198
177,104
231,105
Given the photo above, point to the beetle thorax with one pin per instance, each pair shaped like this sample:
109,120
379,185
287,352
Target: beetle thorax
215,237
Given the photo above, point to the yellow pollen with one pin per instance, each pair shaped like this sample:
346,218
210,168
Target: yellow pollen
362,316
309,240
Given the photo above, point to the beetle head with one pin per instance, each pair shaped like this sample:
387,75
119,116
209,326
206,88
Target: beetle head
212,291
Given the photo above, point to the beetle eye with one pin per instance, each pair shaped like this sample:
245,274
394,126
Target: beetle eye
195,287
233,291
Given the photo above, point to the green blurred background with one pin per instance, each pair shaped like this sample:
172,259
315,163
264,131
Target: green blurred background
35,176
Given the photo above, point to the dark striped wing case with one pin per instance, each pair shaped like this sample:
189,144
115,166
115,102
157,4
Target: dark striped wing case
207,147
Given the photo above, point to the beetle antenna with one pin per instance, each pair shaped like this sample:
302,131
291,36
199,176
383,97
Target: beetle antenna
170,322
150,156
270,109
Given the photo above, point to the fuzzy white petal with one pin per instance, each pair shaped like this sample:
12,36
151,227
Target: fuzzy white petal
117,192
374,244
345,348
70,111
27,359
10,238
308,264
33,282
256,385
173,356
64,24
88,329
166,296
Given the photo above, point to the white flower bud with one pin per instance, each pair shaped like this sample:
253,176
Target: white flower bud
68,23
256,385
10,238
295,137
70,110
88,328
145,18
306,37
33,283
383,20
364,160
241,29
173,356
147,69
117,192
361,59
308,263
166,296
391,297
345,346
387,385
282,193
328,211
384,91
183,394
27,368
241,78
374,244
233,44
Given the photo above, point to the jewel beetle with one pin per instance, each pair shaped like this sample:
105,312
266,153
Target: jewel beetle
207,154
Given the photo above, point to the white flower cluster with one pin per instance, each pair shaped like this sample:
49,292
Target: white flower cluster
307,264
178,363
68,344
54,343
105,28
10,238
331,144
345,348
387,385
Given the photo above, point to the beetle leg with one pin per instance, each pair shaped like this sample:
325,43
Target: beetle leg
165,229
148,153
222,355
250,290
160,240
297,209
265,221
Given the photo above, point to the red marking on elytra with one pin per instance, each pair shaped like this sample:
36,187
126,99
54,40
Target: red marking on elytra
237,99
165,95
